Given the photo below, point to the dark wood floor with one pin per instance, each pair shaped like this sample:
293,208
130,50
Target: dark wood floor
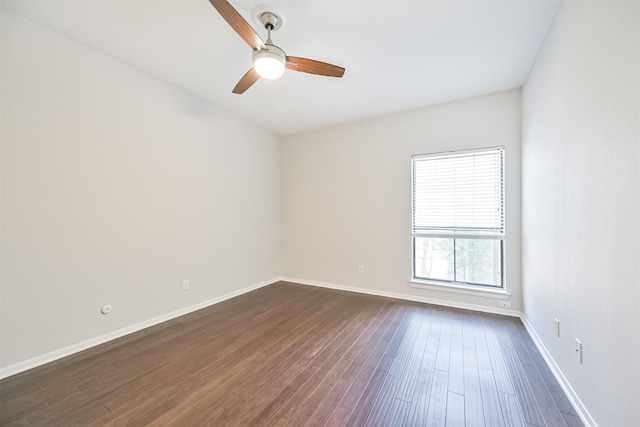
296,355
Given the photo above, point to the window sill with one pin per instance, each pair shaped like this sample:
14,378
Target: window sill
500,293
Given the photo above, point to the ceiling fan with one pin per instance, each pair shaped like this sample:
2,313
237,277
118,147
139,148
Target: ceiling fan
269,61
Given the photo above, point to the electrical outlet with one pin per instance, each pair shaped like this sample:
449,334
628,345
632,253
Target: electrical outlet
185,285
557,326
360,268
504,304
578,350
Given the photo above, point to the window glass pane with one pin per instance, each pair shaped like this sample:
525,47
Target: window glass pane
478,261
433,258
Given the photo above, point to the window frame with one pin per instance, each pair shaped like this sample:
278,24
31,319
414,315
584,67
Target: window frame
499,236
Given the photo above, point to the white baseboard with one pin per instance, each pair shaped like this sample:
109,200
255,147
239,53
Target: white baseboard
407,297
84,345
582,411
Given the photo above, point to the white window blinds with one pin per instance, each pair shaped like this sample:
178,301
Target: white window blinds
459,193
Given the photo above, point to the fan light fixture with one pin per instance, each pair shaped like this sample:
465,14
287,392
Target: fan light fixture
269,63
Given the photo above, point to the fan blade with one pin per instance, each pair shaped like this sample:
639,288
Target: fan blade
312,66
238,23
246,81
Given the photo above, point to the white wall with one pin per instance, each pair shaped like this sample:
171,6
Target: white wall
346,194
581,203
115,188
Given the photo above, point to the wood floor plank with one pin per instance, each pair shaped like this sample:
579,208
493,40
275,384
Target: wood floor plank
377,329
347,367
425,376
338,417
490,399
363,371
456,318
503,381
401,332
365,403
525,396
482,350
547,405
397,414
359,383
382,407
437,412
434,335
456,364
518,344
408,383
406,346
444,347
455,410
511,410
420,401
325,408
473,412
296,355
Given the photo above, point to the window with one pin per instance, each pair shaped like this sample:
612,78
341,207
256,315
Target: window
458,217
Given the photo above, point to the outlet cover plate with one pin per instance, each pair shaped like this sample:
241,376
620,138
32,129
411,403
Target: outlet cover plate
578,350
504,304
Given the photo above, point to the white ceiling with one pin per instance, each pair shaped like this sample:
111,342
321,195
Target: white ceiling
399,54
